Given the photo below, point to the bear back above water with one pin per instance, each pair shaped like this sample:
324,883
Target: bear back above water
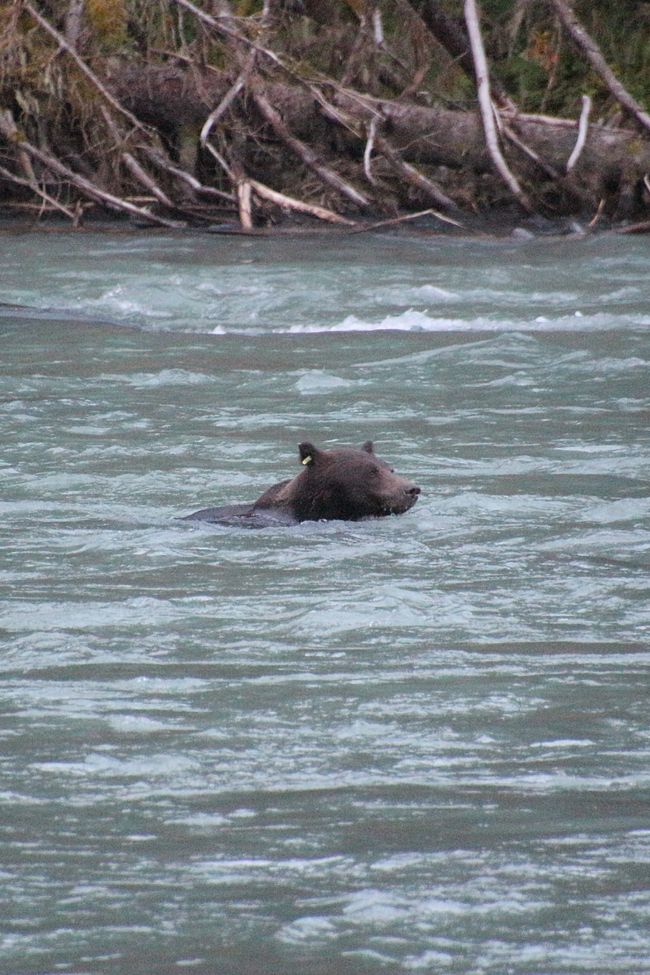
346,483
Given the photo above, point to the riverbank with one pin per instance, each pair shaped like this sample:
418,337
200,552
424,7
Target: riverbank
365,112
498,224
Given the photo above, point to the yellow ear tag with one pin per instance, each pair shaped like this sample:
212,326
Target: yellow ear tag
307,460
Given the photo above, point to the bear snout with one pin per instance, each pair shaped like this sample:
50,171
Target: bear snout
404,498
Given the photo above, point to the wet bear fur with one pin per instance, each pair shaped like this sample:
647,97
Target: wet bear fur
346,483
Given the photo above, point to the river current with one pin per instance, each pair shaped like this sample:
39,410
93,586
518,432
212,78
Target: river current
412,744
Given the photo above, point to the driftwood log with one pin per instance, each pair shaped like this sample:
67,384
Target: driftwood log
435,136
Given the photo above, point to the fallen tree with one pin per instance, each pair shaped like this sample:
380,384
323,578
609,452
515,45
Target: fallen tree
219,119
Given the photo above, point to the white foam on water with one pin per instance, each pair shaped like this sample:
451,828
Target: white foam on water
166,377
307,929
414,320
317,381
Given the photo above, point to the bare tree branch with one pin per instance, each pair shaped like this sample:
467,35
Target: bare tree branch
83,67
9,130
594,55
583,128
367,153
222,28
306,154
73,20
281,200
485,104
160,160
32,184
227,100
404,219
244,200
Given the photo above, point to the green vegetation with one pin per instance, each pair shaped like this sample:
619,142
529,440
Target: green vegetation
539,65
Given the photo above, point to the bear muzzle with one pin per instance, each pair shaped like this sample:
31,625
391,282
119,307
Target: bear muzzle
400,503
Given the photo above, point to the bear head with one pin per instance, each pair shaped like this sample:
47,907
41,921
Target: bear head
347,483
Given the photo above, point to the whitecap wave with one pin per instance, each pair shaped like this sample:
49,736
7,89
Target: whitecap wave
317,381
117,301
413,320
165,377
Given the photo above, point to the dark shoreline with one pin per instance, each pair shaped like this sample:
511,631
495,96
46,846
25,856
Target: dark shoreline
497,224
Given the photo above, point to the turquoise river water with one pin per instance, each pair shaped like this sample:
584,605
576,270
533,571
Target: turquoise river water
413,744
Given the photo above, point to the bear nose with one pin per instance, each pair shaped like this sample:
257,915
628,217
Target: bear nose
413,491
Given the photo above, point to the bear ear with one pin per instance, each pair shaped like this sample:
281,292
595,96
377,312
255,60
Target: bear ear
308,453
368,446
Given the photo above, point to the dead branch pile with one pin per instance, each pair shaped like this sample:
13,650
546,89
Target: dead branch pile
185,114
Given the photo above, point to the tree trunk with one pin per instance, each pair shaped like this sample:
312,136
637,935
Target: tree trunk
431,137
437,135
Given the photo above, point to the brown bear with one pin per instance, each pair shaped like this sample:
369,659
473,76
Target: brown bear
345,483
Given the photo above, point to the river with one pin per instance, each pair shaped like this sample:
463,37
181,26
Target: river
412,744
